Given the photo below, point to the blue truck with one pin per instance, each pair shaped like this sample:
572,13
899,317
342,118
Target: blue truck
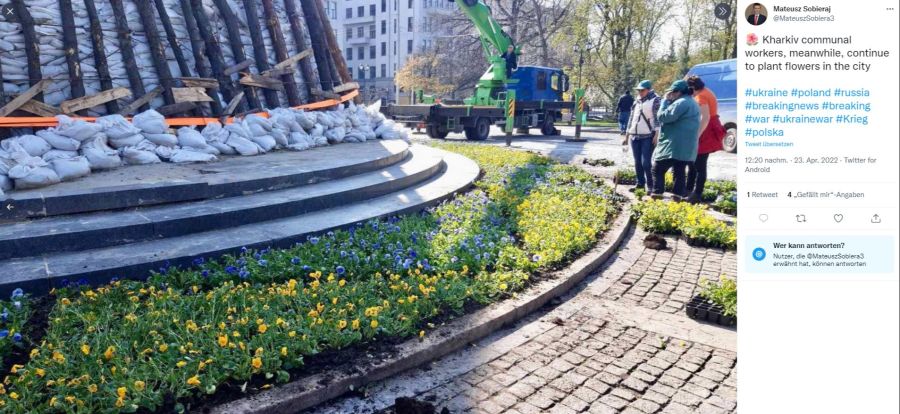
721,78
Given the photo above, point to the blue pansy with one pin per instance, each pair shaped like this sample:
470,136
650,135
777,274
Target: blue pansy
231,270
295,260
244,274
4,333
263,262
340,270
204,273
17,337
17,293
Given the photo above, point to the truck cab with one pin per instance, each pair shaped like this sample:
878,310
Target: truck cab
536,83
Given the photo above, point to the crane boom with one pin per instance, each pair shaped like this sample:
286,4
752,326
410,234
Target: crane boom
491,33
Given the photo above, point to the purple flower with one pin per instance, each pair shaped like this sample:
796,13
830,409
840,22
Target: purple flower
536,258
263,262
204,273
231,270
4,333
17,337
314,240
340,270
244,274
199,261
18,293
295,260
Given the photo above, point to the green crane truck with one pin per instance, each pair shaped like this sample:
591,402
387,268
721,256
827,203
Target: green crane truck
532,97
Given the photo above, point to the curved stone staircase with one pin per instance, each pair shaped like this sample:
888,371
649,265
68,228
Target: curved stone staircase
125,223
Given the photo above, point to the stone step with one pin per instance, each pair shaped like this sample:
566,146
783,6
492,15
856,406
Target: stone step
146,185
37,275
110,228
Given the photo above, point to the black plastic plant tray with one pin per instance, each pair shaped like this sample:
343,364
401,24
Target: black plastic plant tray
701,309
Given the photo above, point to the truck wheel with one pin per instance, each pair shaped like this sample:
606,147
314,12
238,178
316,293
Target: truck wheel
437,132
480,131
730,141
547,128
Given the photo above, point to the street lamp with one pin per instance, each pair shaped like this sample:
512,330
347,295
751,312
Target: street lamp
363,71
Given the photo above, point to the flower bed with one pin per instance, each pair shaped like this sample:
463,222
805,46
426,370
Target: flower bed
716,303
692,221
254,317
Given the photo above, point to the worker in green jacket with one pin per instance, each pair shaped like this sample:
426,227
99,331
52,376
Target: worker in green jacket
677,147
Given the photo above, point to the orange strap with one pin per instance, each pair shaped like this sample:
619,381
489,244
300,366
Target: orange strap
40,121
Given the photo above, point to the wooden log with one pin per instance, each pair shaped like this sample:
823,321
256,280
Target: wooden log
231,70
346,87
337,57
310,78
274,73
176,108
319,43
233,104
100,62
207,83
172,37
126,48
291,61
157,50
191,94
260,54
141,102
199,51
260,81
70,47
26,96
32,47
74,105
281,53
40,109
233,30
211,48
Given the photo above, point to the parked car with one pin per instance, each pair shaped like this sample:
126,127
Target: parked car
721,78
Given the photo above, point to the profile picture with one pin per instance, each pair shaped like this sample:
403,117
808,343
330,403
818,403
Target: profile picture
756,14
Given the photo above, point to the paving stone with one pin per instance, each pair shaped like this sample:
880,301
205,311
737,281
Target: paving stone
656,397
540,400
527,408
575,403
676,408
635,384
707,408
624,394
505,399
597,385
686,398
601,408
586,394
521,389
646,406
562,409
614,401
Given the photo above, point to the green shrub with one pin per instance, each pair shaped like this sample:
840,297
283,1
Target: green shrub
722,293
693,221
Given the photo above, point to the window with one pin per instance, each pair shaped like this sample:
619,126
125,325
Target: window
409,46
555,82
384,27
360,11
383,6
383,70
395,25
542,81
372,31
349,12
383,48
361,53
372,72
371,52
360,31
349,53
410,4
362,73
395,48
409,25
371,10
349,34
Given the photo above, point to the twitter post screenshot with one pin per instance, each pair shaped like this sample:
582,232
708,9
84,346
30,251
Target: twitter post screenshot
450,206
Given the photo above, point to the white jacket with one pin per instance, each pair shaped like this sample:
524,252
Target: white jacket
643,115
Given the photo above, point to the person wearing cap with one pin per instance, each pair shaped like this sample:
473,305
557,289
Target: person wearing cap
679,115
711,134
623,109
642,131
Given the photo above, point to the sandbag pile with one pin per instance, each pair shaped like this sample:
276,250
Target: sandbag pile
76,147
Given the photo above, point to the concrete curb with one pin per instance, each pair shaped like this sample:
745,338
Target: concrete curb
313,390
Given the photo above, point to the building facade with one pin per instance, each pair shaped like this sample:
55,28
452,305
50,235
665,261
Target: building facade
377,36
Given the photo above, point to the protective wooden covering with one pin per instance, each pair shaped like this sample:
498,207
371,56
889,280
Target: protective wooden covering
200,58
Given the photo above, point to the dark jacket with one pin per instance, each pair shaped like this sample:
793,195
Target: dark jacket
762,19
625,104
512,62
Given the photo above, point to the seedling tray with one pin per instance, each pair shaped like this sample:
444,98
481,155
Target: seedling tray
704,310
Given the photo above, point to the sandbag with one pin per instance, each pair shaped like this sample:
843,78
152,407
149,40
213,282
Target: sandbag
166,140
238,129
33,145
257,125
335,135
150,122
192,139
27,176
58,141
116,126
99,155
6,183
280,138
305,119
56,154
134,156
76,128
242,145
71,168
265,142
126,141
184,155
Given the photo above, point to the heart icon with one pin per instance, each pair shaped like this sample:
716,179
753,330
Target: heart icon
763,218
838,218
